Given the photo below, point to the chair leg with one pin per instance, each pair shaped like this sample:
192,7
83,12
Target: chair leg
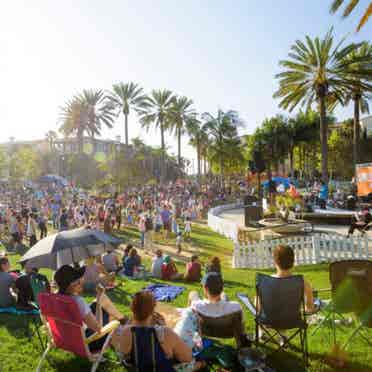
257,335
100,356
38,369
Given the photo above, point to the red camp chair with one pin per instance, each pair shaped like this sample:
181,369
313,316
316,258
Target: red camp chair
64,323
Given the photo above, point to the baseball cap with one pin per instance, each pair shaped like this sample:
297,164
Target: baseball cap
66,275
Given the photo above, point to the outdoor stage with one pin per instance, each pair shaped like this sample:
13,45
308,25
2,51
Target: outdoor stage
237,216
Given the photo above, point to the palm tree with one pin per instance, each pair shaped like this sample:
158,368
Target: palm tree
359,96
51,137
126,97
182,113
222,128
198,136
317,72
157,112
336,4
86,113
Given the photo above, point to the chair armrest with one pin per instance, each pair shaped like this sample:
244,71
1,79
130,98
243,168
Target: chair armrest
108,328
316,291
248,303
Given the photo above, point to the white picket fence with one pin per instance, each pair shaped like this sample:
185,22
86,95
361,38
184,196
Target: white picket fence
221,225
308,250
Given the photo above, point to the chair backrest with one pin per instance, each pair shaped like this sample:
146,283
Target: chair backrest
64,321
147,353
39,284
351,284
281,301
227,326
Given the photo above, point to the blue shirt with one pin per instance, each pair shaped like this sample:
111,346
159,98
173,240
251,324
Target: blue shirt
129,264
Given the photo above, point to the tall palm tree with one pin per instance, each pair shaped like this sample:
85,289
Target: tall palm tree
51,137
336,4
182,113
222,128
198,136
126,97
359,96
316,72
157,112
86,113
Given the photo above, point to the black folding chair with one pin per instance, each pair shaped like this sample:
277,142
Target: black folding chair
351,293
227,326
279,309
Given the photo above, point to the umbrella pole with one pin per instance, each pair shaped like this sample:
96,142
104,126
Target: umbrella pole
72,256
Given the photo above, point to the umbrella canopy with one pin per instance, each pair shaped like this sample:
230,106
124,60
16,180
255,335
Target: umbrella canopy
278,180
54,178
68,247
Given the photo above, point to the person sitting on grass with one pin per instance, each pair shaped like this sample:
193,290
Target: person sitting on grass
7,284
193,270
132,263
214,305
96,274
126,252
25,294
214,265
157,263
169,269
70,282
284,263
111,261
167,350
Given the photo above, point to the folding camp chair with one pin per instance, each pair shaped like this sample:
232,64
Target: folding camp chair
351,292
279,307
227,326
65,326
39,284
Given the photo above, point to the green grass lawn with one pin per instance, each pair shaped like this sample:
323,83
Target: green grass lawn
20,351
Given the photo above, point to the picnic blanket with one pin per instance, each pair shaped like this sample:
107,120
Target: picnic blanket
13,310
164,292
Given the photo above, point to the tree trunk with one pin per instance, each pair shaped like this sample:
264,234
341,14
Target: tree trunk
179,145
198,160
323,138
221,173
126,129
356,137
291,161
162,158
80,139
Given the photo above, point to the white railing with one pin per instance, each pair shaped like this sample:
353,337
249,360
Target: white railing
222,225
307,249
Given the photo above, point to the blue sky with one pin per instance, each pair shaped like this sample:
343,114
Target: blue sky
219,53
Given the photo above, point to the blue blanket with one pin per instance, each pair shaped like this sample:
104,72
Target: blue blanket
164,292
13,310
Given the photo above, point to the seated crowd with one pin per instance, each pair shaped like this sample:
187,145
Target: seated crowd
173,346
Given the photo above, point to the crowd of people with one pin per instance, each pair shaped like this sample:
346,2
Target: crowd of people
168,209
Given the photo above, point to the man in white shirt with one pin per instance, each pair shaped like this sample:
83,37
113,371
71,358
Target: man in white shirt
215,303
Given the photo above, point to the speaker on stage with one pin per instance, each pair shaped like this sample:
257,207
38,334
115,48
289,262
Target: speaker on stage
252,210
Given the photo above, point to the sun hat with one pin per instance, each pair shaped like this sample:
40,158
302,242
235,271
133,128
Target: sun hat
66,275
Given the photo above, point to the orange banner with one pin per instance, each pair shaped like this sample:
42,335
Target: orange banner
364,177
